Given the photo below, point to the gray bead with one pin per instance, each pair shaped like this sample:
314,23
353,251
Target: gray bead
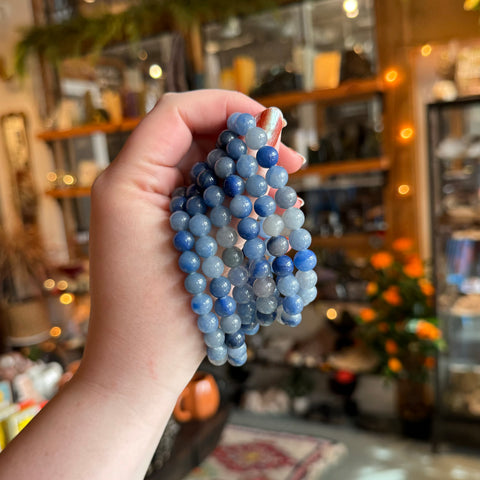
273,225
255,138
224,167
277,245
226,237
286,197
264,287
293,218
231,324
212,267
266,304
232,257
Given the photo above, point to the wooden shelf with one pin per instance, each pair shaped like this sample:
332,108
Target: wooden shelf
69,192
344,168
84,130
349,90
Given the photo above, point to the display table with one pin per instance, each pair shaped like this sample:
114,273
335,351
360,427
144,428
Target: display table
194,442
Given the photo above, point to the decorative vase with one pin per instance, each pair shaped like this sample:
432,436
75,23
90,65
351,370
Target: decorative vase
415,408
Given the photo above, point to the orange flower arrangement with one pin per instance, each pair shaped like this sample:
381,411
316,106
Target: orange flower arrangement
399,323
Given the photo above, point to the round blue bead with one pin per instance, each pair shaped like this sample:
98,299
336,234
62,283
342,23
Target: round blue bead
236,148
282,265
300,239
305,260
183,240
288,285
234,340
267,156
207,323
196,205
220,287
238,362
238,276
266,319
232,119
241,206
197,169
239,351
248,228
265,206
189,262
206,178
225,306
292,305
224,167
231,323
256,138
277,245
243,294
225,138
246,312
179,220
256,186
179,192
213,156
260,269
212,267
276,176
195,283
220,216
243,123
205,246
193,190
215,339
291,320
254,249
199,225
233,185
218,355
178,203
247,166
202,303
213,196
251,329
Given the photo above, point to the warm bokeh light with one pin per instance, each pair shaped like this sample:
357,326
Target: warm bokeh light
391,75
332,314
52,176
403,189
155,71
351,8
406,133
142,54
49,283
55,332
66,298
426,50
68,179
62,285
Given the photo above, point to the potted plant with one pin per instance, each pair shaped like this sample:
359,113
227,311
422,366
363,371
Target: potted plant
400,327
23,269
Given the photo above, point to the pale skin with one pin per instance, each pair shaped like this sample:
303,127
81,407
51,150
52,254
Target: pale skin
143,346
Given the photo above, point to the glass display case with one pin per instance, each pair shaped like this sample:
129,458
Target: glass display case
454,151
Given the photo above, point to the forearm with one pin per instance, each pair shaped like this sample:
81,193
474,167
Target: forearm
110,434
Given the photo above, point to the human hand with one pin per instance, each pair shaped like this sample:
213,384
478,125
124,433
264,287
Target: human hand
142,330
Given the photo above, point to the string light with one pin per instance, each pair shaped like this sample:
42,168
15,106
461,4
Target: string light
391,75
69,179
351,8
332,314
62,285
52,177
49,283
426,50
66,298
55,332
403,189
406,133
155,71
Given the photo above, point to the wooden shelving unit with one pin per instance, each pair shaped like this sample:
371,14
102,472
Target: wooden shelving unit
69,192
85,130
354,241
349,90
344,168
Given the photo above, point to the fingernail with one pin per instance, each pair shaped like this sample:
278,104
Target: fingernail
304,160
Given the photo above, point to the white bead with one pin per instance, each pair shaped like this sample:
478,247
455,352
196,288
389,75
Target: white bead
293,218
273,225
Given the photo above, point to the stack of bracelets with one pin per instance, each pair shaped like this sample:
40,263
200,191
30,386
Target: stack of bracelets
230,226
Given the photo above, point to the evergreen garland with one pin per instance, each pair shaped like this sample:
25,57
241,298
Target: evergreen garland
81,35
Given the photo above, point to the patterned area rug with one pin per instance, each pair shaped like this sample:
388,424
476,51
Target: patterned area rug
250,454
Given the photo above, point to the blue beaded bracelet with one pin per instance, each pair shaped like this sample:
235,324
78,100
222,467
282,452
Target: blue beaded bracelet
234,239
